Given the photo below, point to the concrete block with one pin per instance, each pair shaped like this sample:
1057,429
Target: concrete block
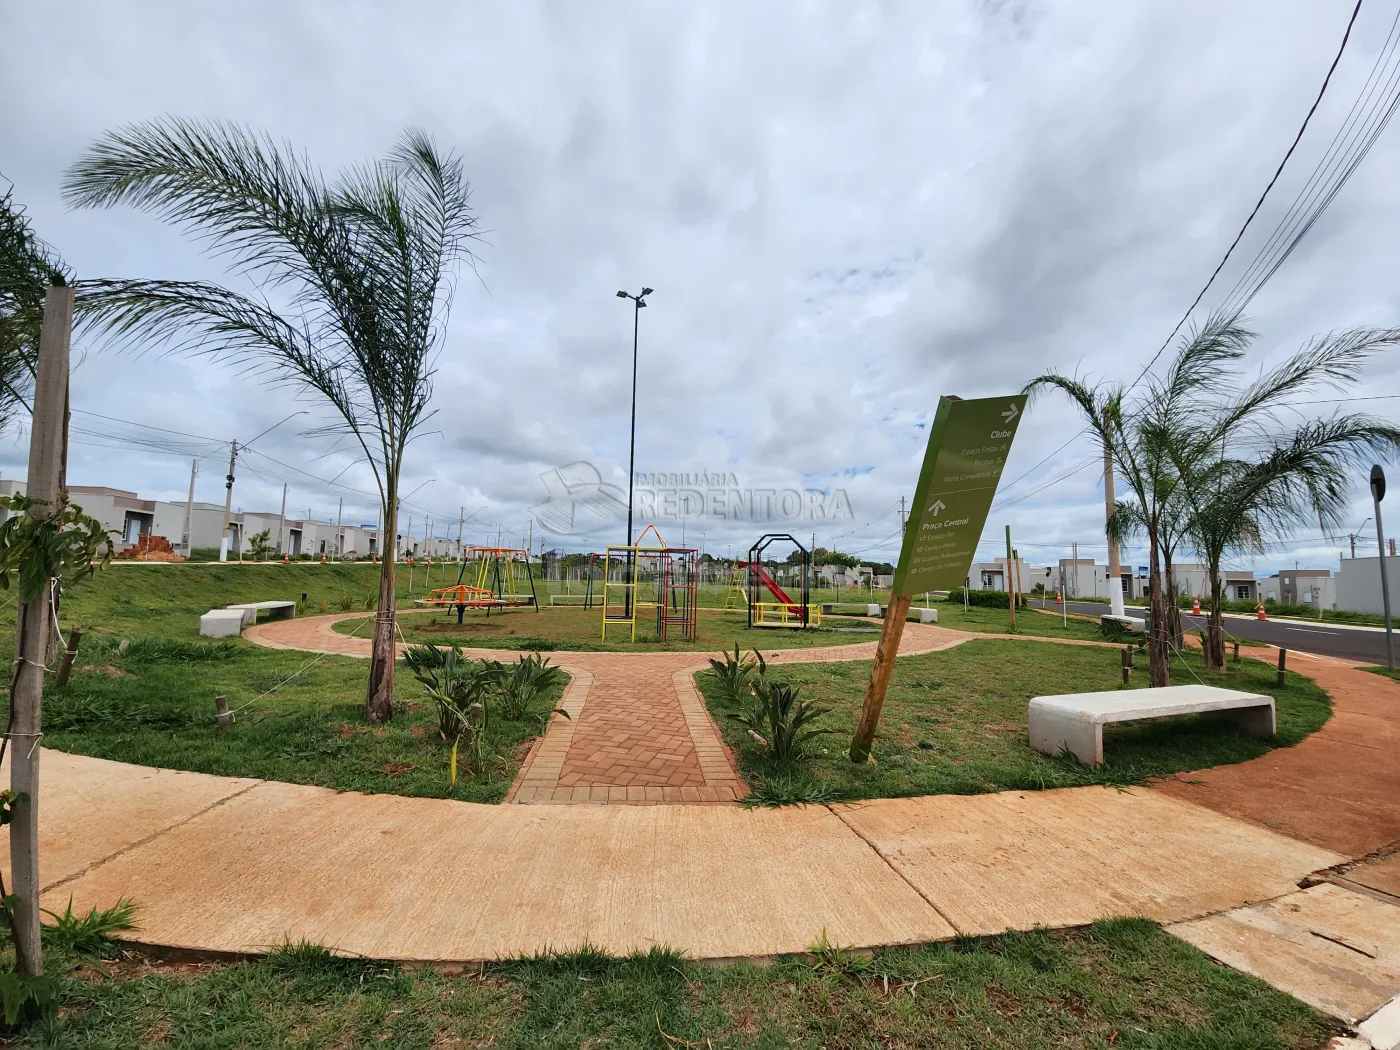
874,610
928,615
1128,623
221,623
276,610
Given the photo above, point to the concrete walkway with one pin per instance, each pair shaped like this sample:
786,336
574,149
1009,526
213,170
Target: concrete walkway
227,865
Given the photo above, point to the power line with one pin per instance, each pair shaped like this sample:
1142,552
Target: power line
1260,202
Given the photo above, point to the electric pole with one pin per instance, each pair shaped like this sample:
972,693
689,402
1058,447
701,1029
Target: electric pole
189,511
461,513
902,524
282,521
1115,570
339,536
228,500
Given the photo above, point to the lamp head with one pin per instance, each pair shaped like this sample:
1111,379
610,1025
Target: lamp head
622,295
648,291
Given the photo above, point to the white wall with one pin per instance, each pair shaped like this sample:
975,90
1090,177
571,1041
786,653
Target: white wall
1359,584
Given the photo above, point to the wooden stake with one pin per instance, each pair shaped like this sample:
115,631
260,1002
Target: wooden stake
65,669
35,625
1282,659
1127,664
221,706
1237,650
880,670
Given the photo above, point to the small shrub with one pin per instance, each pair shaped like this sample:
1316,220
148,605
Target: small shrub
781,719
165,650
89,937
984,599
736,674
322,607
790,789
530,678
346,603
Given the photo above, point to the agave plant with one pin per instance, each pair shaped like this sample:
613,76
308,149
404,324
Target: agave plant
736,674
530,678
781,719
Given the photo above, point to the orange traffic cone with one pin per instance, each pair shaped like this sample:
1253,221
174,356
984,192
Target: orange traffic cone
1195,607
323,557
286,558
1059,598
1261,612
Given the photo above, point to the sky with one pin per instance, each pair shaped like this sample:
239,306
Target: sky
845,210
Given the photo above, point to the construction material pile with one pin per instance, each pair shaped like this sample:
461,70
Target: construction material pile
150,548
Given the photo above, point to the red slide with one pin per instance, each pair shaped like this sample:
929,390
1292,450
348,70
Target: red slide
772,585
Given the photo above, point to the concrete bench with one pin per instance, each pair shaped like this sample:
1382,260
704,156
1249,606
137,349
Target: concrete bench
1126,623
221,623
1074,723
274,610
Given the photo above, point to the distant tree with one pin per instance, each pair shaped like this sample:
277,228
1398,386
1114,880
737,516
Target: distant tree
260,545
351,284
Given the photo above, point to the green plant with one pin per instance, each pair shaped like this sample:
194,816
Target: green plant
347,602
260,545
736,674
830,959
781,719
322,607
530,678
788,788
59,543
89,938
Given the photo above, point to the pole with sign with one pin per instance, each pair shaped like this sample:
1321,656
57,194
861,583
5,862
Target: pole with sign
1378,494
967,449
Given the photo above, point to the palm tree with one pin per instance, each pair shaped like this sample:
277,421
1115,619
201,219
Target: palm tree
350,283
28,266
1141,438
1302,477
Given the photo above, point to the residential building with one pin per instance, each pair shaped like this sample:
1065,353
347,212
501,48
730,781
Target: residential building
1301,587
1359,584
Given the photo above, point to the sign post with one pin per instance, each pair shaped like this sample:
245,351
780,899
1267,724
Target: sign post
967,448
1378,494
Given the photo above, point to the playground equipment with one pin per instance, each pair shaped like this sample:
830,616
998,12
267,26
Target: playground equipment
501,576
784,611
738,581
650,584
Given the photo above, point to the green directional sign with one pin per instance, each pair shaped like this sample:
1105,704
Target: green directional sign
967,448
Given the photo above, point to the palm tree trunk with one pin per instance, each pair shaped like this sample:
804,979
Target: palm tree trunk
1173,604
1215,624
1159,668
379,694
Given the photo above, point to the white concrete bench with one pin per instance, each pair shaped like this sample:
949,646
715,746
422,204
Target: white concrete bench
1127,623
1074,723
274,610
221,623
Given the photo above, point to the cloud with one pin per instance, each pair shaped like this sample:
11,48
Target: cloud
846,210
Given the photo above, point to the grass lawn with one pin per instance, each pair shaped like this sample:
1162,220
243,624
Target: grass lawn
956,722
1384,672
563,628
1120,983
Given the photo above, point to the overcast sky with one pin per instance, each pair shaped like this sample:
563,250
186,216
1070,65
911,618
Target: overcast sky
845,209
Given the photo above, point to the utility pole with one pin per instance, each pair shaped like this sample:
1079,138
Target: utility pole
189,511
530,543
1010,587
282,521
461,513
46,443
1074,568
902,524
228,500
1115,570
339,536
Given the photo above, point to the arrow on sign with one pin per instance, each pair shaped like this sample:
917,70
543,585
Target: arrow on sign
937,507
1011,413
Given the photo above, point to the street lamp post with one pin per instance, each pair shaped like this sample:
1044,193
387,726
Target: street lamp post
639,302
228,487
1378,494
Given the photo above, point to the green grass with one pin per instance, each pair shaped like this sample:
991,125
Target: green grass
154,705
580,630
1120,983
956,722
1384,672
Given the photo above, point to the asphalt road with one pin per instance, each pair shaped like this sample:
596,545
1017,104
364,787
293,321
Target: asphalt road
1348,643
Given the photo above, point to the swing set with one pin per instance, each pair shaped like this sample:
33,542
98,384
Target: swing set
501,577
651,584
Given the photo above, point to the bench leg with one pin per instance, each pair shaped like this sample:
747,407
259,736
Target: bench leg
1251,721
1054,734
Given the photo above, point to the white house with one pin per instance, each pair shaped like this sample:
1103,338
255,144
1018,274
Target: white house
1359,584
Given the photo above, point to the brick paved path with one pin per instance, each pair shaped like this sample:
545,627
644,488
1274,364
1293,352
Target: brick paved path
638,731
